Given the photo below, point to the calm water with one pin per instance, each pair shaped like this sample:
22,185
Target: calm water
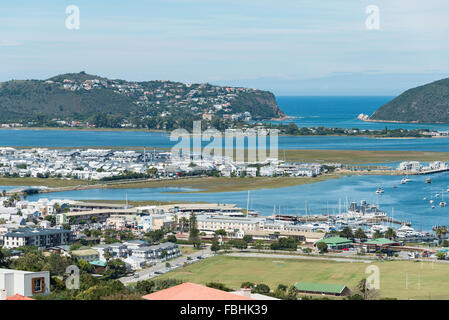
322,197
65,138
309,111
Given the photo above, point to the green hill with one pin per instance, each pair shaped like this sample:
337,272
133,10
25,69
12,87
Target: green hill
425,104
105,102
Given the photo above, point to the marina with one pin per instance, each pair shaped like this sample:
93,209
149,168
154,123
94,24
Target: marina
409,201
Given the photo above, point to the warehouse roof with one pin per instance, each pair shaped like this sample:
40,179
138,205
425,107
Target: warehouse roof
320,287
381,242
335,241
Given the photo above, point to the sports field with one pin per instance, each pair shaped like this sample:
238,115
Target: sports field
398,279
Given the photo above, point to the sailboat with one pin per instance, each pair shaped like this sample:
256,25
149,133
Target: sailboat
442,203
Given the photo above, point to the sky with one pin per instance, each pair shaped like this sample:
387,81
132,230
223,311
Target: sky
290,47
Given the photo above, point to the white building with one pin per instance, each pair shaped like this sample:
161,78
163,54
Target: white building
25,283
410,166
41,238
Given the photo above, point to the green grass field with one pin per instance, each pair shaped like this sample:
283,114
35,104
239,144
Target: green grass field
425,280
361,157
186,250
207,184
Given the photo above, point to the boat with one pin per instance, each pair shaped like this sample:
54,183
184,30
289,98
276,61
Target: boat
364,210
380,190
425,198
433,207
431,201
437,195
428,180
395,186
405,180
442,203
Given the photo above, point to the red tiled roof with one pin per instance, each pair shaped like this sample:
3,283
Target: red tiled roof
193,291
18,297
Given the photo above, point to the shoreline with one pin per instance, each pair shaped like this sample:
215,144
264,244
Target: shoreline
167,132
85,129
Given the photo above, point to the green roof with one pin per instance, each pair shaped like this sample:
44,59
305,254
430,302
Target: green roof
320,287
381,241
335,241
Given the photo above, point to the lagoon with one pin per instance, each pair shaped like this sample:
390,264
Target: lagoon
79,138
321,197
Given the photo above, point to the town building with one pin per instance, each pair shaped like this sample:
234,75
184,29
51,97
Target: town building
41,238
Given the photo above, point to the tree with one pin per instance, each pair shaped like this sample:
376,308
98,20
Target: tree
184,224
321,246
220,232
377,234
347,233
155,235
3,258
172,238
441,255
215,246
107,255
194,234
307,250
115,268
258,245
360,234
247,284
94,219
241,244
390,233
57,264
261,288
364,290
218,285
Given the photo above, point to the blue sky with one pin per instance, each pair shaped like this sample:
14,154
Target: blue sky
288,46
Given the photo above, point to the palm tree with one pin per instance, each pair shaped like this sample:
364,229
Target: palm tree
377,234
438,232
176,219
444,231
360,234
184,224
347,233
390,233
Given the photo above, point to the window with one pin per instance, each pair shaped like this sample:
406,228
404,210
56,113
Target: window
38,285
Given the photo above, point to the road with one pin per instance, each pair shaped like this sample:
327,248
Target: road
148,273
